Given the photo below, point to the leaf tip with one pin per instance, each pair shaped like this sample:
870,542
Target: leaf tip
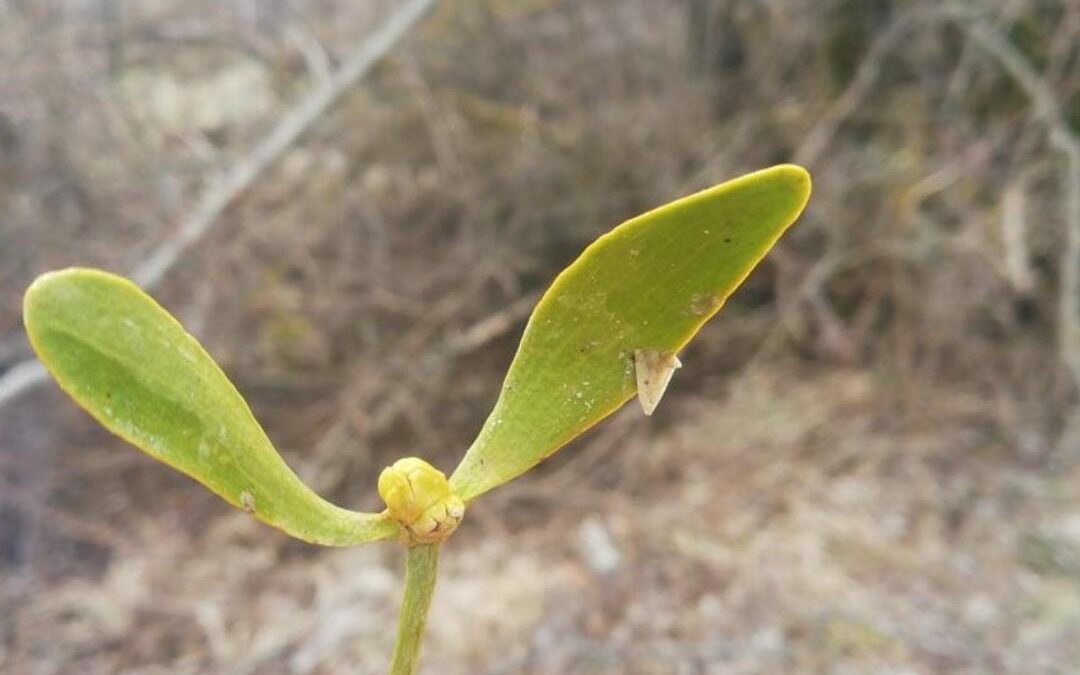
798,177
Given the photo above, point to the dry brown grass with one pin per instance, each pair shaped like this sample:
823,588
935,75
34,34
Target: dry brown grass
794,525
861,468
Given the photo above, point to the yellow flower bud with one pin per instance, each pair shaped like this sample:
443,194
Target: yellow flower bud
418,496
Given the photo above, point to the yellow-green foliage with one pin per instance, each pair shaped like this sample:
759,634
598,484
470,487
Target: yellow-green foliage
610,325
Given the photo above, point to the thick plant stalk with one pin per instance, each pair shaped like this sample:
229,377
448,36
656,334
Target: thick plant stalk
421,564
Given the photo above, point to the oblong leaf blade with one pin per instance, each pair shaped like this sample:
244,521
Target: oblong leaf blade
649,284
134,368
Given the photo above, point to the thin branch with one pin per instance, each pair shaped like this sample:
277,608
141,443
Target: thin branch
327,473
21,378
24,376
1014,237
72,526
1061,137
819,137
289,129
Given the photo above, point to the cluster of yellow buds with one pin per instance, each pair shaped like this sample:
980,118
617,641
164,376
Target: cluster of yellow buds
418,496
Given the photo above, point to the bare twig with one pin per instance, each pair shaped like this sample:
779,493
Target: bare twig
222,192
315,57
72,526
1014,236
243,175
401,399
1061,137
489,328
817,141
19,379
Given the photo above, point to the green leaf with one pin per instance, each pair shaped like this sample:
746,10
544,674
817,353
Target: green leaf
134,368
644,289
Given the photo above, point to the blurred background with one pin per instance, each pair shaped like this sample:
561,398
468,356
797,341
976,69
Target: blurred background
868,465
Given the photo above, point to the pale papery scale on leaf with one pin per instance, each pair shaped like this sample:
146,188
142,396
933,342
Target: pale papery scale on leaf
609,327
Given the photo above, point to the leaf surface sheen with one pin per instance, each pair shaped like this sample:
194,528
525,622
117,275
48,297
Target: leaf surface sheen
649,284
133,367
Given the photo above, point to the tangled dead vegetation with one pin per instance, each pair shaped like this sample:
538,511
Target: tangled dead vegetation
900,498
872,543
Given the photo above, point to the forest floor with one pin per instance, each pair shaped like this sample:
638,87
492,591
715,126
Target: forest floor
857,471
800,521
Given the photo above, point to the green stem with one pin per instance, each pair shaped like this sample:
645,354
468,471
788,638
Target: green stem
421,562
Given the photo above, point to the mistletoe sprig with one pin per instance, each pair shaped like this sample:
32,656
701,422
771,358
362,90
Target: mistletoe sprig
609,327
